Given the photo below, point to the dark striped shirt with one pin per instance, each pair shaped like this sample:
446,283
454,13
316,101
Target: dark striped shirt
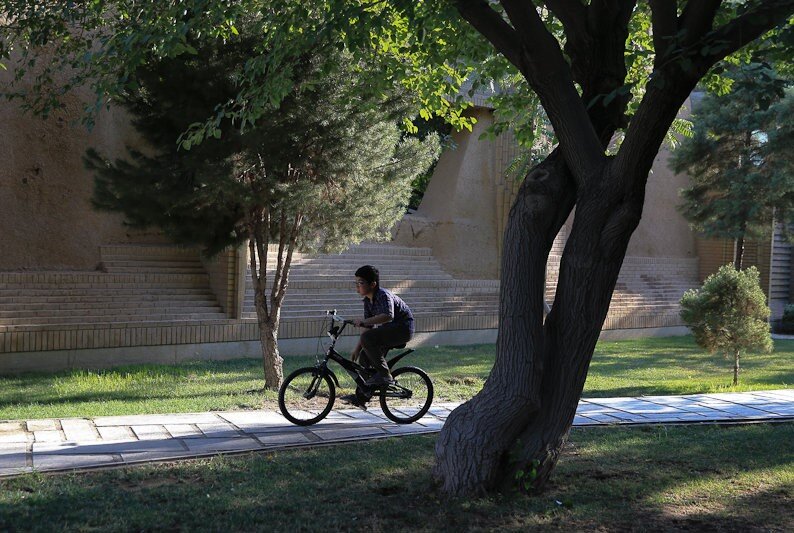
384,302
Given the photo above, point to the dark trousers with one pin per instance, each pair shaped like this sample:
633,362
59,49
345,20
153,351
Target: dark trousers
377,341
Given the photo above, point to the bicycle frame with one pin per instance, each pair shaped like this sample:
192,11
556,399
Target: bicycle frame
356,371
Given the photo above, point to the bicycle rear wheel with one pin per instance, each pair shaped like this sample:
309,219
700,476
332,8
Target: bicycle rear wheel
409,398
307,396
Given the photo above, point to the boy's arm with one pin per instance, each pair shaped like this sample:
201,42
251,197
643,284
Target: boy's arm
375,320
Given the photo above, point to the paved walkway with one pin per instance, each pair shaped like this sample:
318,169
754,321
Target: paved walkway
79,443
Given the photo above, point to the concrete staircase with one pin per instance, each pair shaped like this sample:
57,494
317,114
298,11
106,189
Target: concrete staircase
135,284
321,282
647,292
147,296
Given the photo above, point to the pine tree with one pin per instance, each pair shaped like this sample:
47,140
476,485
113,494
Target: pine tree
729,314
742,175
327,168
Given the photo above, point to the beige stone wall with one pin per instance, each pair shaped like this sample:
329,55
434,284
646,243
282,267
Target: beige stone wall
663,231
227,273
46,218
457,217
465,208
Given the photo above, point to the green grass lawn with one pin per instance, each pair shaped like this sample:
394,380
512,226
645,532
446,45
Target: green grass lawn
619,368
695,478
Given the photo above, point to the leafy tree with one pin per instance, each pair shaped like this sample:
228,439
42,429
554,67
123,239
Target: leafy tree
729,314
326,168
740,180
579,61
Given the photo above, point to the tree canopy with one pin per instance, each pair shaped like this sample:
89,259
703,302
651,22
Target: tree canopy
326,168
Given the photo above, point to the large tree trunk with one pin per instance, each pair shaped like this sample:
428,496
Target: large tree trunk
520,420
473,443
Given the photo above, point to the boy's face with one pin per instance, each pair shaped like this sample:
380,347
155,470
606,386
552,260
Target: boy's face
363,287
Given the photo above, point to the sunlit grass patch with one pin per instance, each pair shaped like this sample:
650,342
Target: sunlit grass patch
655,366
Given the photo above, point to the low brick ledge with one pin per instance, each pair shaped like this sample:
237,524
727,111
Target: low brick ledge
21,338
18,339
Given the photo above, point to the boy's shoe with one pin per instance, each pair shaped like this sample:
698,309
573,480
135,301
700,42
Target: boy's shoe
354,400
379,380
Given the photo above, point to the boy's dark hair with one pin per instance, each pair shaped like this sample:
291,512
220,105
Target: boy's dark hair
369,274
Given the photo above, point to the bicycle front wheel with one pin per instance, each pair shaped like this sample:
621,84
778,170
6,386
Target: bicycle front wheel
409,398
307,396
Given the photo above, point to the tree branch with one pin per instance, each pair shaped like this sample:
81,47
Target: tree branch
572,14
697,18
293,241
746,28
493,27
282,240
665,26
543,65
663,100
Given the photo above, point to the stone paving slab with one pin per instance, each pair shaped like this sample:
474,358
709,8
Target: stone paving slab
79,429
146,420
229,444
16,436
280,439
80,443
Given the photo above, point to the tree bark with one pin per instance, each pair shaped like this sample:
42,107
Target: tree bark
268,322
520,420
736,368
738,255
474,442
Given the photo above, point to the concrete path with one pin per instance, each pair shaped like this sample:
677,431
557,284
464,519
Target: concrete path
80,443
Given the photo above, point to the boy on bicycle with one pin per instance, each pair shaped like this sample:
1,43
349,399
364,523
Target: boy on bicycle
393,321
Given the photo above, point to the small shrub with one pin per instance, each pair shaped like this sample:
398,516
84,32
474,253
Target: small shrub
729,314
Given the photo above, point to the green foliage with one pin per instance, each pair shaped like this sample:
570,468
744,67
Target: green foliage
329,160
729,313
423,46
739,158
57,47
434,126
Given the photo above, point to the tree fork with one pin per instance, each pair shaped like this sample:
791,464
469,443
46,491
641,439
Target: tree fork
592,259
473,443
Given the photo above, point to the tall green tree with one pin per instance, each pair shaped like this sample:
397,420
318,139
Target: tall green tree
326,168
576,58
742,178
729,315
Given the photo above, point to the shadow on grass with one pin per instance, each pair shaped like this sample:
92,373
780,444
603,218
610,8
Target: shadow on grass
626,479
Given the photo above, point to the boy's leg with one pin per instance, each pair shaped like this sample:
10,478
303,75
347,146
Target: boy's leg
376,342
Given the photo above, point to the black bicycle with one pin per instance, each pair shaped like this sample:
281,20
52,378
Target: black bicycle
308,394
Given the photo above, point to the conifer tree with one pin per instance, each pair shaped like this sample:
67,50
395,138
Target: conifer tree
738,160
327,168
729,314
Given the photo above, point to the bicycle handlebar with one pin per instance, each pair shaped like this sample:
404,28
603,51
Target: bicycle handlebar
339,318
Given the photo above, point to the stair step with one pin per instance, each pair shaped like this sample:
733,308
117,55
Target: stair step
88,319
